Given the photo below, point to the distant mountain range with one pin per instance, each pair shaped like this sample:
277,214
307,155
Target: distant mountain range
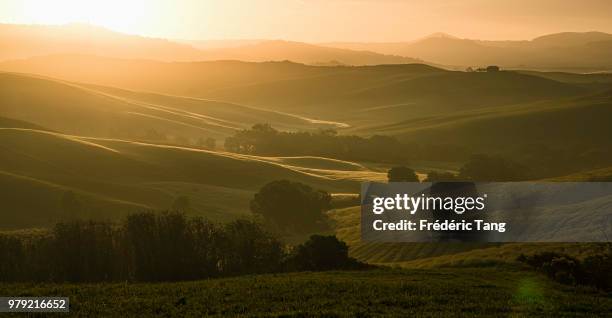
570,51
560,51
25,41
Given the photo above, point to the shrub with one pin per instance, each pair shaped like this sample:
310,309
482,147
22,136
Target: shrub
160,247
598,270
292,205
593,270
402,174
321,253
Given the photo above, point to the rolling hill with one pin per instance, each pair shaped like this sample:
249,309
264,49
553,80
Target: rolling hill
178,78
106,112
412,91
588,51
456,254
356,95
565,122
112,177
60,141
25,41
304,53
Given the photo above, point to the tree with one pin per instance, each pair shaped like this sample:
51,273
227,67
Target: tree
402,174
248,248
153,134
492,68
84,251
291,205
208,143
321,253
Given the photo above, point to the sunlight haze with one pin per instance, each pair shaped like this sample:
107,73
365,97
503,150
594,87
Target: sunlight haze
318,20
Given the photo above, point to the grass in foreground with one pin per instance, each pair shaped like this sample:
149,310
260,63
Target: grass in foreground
486,292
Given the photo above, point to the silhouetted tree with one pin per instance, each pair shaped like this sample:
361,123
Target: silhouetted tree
159,247
321,253
208,143
249,248
262,139
292,205
492,68
84,251
402,174
208,247
12,256
454,190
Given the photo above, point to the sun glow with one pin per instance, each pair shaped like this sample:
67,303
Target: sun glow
120,15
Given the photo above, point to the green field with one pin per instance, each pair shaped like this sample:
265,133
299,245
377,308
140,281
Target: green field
473,292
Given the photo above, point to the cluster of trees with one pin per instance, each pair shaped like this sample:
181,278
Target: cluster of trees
322,253
402,174
201,142
292,206
160,247
594,270
262,139
478,168
521,162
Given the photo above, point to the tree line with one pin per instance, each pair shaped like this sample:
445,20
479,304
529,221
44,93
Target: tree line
166,246
477,168
530,161
263,139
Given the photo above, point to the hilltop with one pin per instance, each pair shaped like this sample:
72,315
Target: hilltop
374,93
108,112
26,41
578,51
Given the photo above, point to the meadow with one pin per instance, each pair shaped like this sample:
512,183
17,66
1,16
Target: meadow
474,292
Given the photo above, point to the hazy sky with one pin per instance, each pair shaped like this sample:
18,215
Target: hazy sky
320,20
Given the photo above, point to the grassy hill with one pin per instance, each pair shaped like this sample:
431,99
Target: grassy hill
112,177
385,93
356,95
177,78
577,125
474,292
107,112
448,254
201,79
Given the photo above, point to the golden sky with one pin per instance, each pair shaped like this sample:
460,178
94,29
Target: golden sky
320,20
